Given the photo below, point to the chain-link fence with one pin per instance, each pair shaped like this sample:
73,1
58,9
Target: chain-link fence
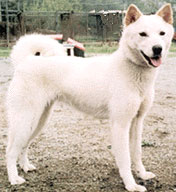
104,26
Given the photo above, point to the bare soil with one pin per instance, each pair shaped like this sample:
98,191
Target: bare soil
72,153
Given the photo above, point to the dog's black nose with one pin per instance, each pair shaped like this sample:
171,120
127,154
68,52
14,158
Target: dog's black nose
157,49
37,54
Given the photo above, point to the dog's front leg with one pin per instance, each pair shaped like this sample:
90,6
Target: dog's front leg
120,147
136,141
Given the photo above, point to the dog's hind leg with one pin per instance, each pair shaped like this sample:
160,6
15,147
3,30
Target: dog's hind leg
23,159
136,141
24,118
20,129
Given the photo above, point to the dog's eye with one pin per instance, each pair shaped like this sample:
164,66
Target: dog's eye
143,34
162,33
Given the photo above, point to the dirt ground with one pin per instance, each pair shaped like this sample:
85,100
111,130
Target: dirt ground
73,151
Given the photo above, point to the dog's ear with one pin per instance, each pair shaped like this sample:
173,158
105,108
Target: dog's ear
166,13
132,15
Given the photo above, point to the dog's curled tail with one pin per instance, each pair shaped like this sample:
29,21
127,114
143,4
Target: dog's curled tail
35,45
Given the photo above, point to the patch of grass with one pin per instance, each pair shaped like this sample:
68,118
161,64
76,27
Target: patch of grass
148,144
172,50
91,47
4,51
101,47
173,47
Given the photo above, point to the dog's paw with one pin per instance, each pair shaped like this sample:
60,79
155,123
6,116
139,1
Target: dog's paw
147,175
28,167
135,187
17,180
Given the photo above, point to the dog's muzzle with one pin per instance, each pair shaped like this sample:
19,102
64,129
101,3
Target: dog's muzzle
154,61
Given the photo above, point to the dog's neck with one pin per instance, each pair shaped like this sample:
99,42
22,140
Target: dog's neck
136,71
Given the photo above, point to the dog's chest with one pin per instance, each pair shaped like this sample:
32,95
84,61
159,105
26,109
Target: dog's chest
142,81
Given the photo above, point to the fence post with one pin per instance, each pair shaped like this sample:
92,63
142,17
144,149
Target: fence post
72,34
87,25
7,23
0,13
21,22
57,25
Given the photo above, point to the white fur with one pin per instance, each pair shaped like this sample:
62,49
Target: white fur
119,87
30,44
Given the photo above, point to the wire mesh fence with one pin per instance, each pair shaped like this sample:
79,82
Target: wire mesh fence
80,26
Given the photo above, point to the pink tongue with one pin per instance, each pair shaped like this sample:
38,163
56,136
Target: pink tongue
157,62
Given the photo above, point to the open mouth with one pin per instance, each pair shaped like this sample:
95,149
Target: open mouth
153,61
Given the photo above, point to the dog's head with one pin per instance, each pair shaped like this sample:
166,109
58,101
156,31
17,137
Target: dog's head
148,37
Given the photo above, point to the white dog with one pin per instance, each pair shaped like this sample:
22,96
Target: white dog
119,87
35,44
